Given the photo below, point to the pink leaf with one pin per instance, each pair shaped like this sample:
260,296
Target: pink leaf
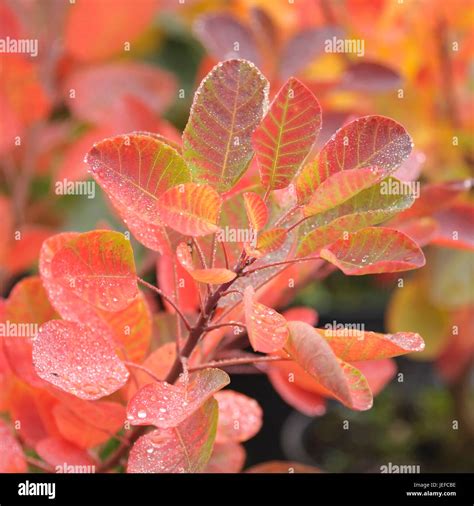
226,458
165,405
77,360
182,449
240,417
266,328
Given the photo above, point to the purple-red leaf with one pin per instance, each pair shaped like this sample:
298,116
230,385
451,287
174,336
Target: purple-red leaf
227,107
374,250
286,134
219,34
365,142
77,360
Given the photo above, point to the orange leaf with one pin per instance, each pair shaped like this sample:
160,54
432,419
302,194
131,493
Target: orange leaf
191,209
214,276
256,209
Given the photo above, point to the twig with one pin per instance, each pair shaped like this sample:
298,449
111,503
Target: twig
142,368
40,465
239,361
168,299
284,262
227,324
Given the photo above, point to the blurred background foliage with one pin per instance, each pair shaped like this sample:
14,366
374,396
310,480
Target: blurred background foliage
417,68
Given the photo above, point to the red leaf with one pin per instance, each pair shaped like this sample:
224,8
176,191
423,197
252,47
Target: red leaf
95,32
227,107
165,405
307,402
136,170
182,449
98,267
305,314
12,459
191,209
240,417
374,250
339,379
100,90
340,187
365,142
266,328
286,134
75,359
27,307
256,209
88,424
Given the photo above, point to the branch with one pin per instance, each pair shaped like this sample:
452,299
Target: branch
284,262
239,361
168,299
